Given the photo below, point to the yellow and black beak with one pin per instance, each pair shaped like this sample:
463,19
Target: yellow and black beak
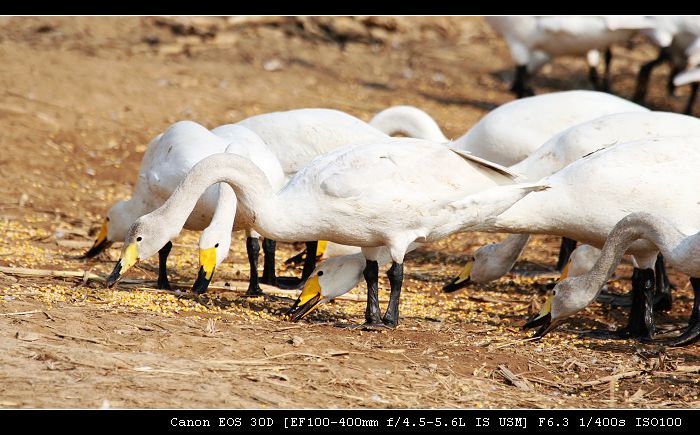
543,320
207,264
101,242
301,257
460,281
308,300
128,259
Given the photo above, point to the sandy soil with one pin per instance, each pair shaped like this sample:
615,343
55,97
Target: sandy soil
81,97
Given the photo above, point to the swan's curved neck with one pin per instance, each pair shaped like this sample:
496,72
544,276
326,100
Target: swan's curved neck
511,248
633,227
225,213
257,201
409,121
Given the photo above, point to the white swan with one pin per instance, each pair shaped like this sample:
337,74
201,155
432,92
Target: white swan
534,40
678,39
587,198
374,194
493,261
166,161
677,236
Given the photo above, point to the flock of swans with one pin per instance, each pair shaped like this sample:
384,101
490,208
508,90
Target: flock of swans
533,41
598,170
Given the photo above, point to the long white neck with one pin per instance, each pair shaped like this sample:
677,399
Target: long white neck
257,202
408,120
493,261
225,213
631,228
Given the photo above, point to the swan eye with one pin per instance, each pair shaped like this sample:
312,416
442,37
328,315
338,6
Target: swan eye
139,238
320,273
107,218
554,293
216,246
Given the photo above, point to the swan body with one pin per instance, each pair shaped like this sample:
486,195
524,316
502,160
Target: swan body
680,246
297,136
368,194
534,40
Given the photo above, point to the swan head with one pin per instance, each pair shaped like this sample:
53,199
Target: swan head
568,297
146,236
461,280
213,250
332,278
114,227
488,263
581,260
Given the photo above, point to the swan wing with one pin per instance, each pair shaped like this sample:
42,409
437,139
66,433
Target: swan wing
484,163
401,173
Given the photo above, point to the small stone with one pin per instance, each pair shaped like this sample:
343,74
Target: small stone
272,65
27,336
439,77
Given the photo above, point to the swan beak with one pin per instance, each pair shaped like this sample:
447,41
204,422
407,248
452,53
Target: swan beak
129,258
101,242
309,299
207,264
565,271
321,248
301,257
544,320
460,281
297,259
546,328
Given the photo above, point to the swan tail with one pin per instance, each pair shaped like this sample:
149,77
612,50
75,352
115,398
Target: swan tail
409,121
486,205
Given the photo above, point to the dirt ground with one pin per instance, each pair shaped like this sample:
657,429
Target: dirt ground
81,98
